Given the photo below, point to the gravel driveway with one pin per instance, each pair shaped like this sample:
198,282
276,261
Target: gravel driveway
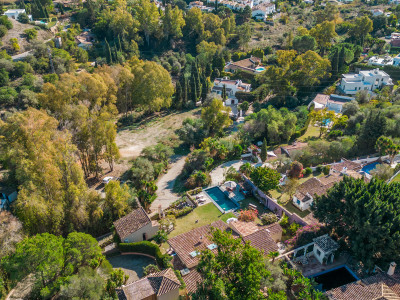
132,265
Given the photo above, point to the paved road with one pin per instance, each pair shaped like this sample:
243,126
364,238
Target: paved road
165,195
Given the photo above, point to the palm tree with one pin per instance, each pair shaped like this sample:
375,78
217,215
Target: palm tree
273,255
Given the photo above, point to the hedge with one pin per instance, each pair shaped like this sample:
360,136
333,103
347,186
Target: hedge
149,248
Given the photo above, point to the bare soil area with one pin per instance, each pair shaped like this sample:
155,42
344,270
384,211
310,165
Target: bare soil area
18,32
132,142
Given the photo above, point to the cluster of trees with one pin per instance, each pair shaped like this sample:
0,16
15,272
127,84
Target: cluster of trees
70,267
365,218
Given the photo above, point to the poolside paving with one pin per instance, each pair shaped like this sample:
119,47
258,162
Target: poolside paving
218,174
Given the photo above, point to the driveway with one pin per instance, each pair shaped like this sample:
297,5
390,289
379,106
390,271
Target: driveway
165,195
132,265
218,174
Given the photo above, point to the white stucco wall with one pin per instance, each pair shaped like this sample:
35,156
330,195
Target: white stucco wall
171,295
138,235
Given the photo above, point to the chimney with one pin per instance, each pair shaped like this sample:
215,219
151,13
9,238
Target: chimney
392,267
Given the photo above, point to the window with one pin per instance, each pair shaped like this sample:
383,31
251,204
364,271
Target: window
318,252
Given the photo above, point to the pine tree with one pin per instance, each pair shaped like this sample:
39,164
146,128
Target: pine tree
263,154
224,92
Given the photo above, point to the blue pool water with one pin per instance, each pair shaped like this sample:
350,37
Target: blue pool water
220,198
370,167
326,122
260,69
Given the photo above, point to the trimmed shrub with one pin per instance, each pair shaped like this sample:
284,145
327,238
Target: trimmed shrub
149,248
269,218
326,170
307,171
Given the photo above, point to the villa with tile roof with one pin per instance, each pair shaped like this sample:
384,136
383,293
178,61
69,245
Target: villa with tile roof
163,285
231,86
250,65
330,102
136,227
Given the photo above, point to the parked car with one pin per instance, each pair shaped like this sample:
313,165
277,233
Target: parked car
108,179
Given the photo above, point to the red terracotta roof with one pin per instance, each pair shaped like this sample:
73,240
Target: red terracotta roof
262,240
191,280
131,223
244,228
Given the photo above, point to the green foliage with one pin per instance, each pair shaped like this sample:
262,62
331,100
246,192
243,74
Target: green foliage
307,171
366,216
51,258
3,31
263,154
215,117
6,22
269,218
161,237
86,284
326,170
386,146
265,179
23,18
150,269
116,279
30,34
303,43
146,247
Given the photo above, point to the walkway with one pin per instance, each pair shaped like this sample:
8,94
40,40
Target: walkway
165,194
218,174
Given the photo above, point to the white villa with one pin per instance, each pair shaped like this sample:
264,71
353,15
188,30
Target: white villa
250,65
331,102
262,11
384,61
231,86
368,80
14,13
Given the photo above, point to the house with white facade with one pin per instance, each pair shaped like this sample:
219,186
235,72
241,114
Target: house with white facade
368,80
200,5
136,227
14,13
231,86
262,11
380,61
376,12
331,102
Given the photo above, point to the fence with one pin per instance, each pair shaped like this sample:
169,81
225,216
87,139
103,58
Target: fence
273,205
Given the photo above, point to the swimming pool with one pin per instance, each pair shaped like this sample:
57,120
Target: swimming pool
368,168
222,202
260,69
334,278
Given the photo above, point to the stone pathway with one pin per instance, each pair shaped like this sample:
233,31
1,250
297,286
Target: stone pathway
165,195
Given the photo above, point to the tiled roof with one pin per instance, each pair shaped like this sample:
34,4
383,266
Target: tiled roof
131,223
195,240
244,228
262,240
321,99
379,286
158,284
274,228
348,164
314,186
326,243
247,62
192,280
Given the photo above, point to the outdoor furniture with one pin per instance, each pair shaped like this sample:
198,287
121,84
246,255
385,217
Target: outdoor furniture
252,206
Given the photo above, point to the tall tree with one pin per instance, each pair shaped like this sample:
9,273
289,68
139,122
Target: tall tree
360,29
266,179
149,19
216,117
263,154
386,146
324,34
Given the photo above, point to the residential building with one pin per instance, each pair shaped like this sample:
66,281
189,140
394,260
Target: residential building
379,286
250,65
163,285
231,86
331,102
376,12
136,227
85,40
394,2
368,80
188,246
14,13
380,61
288,150
200,5
262,11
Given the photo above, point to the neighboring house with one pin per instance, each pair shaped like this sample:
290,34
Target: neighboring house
380,61
6,199
376,12
288,150
368,80
395,2
85,40
262,11
324,249
231,86
136,227
331,102
305,193
163,285
379,286
14,13
250,65
200,5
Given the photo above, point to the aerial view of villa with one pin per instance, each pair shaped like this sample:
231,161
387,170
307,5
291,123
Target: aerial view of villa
204,150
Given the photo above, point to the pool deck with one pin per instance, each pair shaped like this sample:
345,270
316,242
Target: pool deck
216,204
314,267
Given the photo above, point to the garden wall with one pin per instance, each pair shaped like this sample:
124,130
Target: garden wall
273,205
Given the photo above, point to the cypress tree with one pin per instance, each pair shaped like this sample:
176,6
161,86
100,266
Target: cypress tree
185,92
224,92
205,88
108,52
216,4
263,154
208,70
335,63
341,60
215,73
178,95
193,89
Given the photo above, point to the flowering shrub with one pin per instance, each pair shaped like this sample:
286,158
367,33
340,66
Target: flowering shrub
248,215
304,235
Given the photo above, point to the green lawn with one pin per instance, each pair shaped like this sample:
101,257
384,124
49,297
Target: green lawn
311,133
396,179
293,209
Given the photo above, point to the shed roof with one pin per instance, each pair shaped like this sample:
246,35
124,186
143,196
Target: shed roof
131,223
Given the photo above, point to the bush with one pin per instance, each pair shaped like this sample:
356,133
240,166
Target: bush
248,215
6,22
269,218
150,269
180,212
326,170
149,248
23,18
307,171
30,34
3,31
161,237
